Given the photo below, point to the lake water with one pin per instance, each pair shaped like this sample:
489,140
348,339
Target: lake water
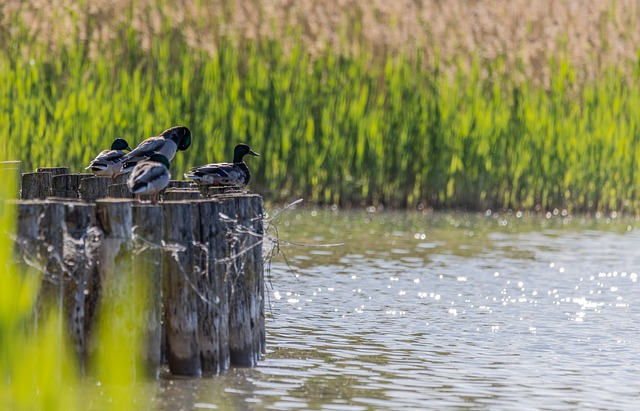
429,311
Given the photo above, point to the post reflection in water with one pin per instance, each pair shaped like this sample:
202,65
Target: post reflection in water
441,311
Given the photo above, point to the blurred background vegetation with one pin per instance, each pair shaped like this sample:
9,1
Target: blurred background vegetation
444,104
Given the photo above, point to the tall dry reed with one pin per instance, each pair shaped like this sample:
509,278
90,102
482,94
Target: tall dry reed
523,34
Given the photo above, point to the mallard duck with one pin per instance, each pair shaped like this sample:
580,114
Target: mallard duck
225,174
150,177
107,163
167,143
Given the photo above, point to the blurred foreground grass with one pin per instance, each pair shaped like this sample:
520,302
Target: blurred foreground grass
347,118
38,370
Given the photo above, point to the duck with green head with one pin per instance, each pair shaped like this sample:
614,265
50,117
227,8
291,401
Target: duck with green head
150,177
167,144
234,174
107,162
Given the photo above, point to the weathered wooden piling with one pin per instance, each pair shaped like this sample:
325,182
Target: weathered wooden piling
120,190
82,285
58,182
202,305
251,225
208,191
54,171
246,309
173,194
180,184
147,232
213,307
179,290
115,269
39,242
38,184
66,185
35,185
95,187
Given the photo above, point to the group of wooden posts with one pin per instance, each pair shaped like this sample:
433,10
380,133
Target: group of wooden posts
199,254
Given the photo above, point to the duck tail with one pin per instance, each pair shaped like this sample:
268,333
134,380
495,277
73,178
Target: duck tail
96,165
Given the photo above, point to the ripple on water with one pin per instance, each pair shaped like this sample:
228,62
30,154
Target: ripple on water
545,318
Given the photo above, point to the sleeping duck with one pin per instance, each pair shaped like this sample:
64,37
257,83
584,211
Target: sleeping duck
167,143
107,163
150,177
225,174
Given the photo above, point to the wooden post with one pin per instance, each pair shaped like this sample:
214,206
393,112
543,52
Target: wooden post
209,191
250,230
81,291
53,170
200,267
180,184
95,187
118,284
179,297
121,179
120,190
66,185
38,184
147,237
40,245
213,304
51,249
242,344
174,194
35,185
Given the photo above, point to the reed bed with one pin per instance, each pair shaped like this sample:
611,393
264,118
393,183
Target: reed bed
526,105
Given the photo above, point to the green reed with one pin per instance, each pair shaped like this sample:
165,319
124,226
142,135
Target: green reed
349,130
38,369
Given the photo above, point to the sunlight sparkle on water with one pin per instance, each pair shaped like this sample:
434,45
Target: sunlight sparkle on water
498,304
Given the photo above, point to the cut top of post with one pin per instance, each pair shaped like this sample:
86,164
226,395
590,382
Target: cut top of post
53,170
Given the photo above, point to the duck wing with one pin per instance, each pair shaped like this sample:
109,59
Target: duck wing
149,147
148,177
145,149
105,162
106,156
220,174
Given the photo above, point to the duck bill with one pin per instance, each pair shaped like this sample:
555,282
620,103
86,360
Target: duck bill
253,153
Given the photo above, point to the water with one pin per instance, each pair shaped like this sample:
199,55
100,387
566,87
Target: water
442,311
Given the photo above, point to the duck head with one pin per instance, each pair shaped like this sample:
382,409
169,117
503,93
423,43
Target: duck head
180,135
242,150
159,158
120,144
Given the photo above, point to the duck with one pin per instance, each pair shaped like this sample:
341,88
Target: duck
234,174
107,162
150,177
167,144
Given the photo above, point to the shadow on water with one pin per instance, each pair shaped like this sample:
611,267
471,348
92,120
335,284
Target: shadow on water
442,311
